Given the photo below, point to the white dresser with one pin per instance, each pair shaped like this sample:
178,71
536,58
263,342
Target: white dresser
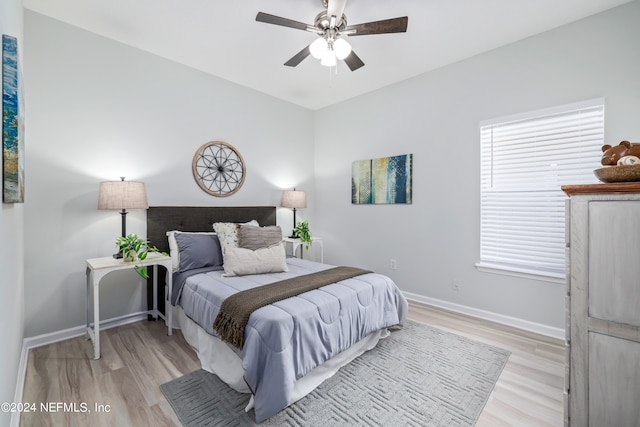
603,321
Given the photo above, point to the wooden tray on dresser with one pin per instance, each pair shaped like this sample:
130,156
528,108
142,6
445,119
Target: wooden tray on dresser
621,173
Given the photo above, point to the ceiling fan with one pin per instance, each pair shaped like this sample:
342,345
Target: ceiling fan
330,24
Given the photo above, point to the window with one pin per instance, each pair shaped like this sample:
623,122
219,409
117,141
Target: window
524,161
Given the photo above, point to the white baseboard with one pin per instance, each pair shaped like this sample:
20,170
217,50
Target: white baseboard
50,338
22,371
526,325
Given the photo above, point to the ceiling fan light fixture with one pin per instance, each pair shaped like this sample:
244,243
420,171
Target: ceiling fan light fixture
318,48
328,59
330,24
342,48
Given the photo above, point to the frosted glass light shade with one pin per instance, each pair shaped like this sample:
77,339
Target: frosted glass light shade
328,59
318,48
342,48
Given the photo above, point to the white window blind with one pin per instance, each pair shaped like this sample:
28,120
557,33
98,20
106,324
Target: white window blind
524,162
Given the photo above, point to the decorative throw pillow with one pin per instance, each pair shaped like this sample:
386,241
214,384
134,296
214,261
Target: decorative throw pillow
174,252
250,237
241,261
198,250
228,233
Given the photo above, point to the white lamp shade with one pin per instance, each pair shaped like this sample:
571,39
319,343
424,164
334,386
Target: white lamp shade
342,48
318,48
294,199
328,59
122,195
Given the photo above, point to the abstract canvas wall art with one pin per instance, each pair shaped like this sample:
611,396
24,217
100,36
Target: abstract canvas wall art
387,180
12,132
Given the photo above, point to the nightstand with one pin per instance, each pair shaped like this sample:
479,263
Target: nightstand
97,268
295,243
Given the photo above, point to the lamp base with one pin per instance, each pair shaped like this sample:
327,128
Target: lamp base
123,214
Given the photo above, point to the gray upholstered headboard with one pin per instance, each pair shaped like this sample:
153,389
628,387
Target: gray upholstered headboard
161,219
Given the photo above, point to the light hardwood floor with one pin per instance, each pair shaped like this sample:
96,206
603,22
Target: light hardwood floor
137,358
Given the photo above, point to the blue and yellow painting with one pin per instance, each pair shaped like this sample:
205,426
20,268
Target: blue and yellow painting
387,180
12,139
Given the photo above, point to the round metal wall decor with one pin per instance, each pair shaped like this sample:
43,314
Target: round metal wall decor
218,168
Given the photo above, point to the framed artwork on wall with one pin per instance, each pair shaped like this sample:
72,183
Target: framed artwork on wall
387,180
12,131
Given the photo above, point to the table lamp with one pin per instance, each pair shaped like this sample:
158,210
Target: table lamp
122,195
294,199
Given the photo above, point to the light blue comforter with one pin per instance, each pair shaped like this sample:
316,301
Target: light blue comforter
285,340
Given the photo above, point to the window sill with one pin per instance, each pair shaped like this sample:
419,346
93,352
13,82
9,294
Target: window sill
521,272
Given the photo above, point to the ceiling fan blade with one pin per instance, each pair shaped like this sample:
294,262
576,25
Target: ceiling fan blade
353,61
298,57
386,26
277,20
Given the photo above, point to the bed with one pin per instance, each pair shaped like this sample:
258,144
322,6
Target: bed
288,347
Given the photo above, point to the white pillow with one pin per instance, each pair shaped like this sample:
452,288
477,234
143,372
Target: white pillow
174,251
241,261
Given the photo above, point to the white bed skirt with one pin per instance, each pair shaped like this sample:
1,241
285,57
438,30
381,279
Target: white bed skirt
218,358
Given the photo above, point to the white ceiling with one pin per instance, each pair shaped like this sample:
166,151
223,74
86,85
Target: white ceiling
222,37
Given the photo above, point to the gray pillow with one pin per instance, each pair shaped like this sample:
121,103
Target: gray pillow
252,237
198,250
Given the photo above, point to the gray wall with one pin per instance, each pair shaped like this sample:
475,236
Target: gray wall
435,116
100,110
11,252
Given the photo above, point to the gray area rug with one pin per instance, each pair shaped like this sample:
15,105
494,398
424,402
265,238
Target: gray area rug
418,376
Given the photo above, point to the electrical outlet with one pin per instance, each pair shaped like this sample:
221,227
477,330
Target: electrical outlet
455,285
393,264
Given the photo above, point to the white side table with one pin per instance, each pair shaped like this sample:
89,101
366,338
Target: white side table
295,243
97,268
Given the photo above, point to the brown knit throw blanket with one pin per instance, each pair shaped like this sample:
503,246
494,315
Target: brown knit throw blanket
236,309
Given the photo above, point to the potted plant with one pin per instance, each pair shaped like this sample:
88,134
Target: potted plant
302,232
135,248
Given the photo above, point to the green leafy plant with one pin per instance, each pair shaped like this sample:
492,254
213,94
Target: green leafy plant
301,231
135,248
